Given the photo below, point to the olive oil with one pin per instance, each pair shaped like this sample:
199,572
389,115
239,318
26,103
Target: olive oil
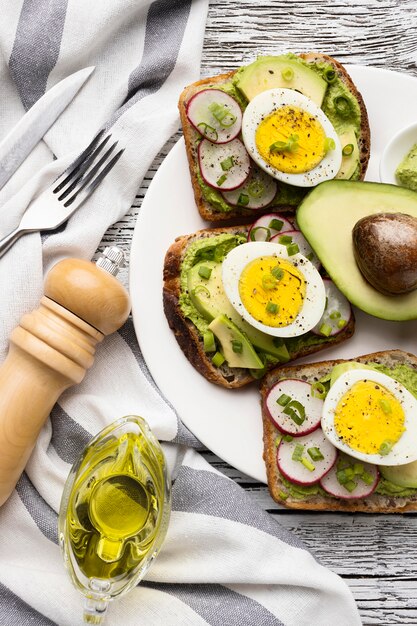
115,510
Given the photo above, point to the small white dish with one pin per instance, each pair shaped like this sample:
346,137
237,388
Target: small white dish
395,151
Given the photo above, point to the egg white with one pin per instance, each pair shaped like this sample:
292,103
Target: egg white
271,100
405,450
315,297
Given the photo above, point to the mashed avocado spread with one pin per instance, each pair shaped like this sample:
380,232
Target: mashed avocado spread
406,172
347,117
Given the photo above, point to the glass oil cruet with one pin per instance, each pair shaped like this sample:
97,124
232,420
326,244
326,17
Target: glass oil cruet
114,513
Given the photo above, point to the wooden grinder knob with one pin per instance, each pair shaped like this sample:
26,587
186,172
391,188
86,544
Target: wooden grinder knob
51,350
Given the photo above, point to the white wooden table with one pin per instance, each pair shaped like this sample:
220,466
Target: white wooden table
376,554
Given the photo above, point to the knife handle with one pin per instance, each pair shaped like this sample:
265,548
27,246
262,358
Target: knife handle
50,351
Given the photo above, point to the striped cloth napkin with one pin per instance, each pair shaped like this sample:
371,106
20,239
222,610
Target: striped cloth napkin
225,561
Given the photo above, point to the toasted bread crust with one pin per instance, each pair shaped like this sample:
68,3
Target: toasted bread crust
186,333
209,212
374,503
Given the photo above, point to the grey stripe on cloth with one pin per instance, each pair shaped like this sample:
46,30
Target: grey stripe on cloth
184,436
44,517
220,606
199,491
68,437
36,47
15,612
165,26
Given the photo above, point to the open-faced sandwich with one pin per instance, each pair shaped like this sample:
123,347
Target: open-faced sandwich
341,435
243,299
259,137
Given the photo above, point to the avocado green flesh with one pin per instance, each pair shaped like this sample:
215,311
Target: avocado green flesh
406,172
228,334
401,475
349,162
327,216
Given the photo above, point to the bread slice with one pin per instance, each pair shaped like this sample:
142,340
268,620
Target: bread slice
191,137
187,334
374,503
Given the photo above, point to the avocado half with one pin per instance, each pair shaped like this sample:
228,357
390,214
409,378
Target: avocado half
327,216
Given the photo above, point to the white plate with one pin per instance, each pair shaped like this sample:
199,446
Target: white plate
229,422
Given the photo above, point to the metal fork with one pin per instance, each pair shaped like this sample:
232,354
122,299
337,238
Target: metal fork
57,203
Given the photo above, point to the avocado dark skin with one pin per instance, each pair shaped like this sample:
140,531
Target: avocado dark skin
385,248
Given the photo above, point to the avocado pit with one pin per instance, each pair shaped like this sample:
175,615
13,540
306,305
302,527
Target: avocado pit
385,249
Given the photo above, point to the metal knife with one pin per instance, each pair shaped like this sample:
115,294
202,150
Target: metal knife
21,140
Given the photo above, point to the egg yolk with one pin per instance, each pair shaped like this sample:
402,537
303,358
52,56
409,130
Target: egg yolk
302,154
272,290
369,416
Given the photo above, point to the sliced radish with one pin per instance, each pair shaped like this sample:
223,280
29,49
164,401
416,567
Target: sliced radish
337,313
282,413
256,193
268,226
359,488
313,470
302,243
215,115
224,166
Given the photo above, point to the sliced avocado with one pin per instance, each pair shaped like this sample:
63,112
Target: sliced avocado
341,368
237,349
209,298
281,71
326,218
402,475
350,161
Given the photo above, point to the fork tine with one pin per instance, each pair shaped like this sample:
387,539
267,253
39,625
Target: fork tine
97,180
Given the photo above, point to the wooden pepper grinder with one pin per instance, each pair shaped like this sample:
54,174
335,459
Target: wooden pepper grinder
51,350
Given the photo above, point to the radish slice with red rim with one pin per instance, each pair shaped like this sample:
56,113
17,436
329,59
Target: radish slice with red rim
351,479
305,460
293,408
256,193
224,166
268,226
337,313
215,115
297,237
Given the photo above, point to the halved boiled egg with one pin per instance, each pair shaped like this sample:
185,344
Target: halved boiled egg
291,138
275,290
371,417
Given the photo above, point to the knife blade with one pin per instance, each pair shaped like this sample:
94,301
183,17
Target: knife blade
24,136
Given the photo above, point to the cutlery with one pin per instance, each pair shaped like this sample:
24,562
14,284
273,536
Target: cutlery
21,140
57,203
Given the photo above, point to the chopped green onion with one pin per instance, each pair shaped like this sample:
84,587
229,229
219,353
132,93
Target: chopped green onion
288,438
385,406
221,180
256,188
342,106
285,146
227,163
334,315
218,359
349,472
385,447
318,390
292,249
269,282
283,399
254,231
200,289
315,454
209,342
325,330
222,114
330,76
283,495
298,452
308,464
358,469
204,271
243,200
341,477
276,224
277,272
341,323
287,74
237,346
348,149
277,441
367,478
296,411
208,131
329,144
350,485
285,239
271,307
